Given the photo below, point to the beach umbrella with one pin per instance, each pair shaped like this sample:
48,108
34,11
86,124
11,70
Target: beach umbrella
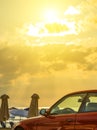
19,112
4,111
33,109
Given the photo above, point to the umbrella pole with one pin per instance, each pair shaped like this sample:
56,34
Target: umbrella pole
5,123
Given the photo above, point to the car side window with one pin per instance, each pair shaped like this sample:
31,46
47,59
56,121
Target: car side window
68,105
91,103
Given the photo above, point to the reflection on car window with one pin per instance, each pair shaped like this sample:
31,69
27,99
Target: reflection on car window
68,105
91,103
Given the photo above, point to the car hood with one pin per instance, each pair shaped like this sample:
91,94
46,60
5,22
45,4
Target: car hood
29,122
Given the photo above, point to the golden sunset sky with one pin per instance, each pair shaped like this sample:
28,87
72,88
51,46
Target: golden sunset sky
48,47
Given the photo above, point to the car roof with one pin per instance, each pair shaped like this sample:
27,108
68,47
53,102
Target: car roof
83,91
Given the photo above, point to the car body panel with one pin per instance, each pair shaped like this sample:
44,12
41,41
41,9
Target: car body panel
57,123
86,121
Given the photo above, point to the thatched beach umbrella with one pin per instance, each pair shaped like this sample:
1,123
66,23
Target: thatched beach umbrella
33,110
4,111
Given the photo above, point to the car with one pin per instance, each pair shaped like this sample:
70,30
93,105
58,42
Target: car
74,111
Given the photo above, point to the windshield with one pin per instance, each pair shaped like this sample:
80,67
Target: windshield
69,104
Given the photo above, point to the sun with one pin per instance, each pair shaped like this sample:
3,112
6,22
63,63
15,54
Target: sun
54,26
51,15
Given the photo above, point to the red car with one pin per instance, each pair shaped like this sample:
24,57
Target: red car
74,111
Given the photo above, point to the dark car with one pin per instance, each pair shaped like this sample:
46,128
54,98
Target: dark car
74,111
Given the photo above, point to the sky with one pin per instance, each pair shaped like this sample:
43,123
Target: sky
48,47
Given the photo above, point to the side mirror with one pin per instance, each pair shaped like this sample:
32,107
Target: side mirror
43,112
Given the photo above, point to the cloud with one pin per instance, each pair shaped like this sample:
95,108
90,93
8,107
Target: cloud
56,27
35,60
42,62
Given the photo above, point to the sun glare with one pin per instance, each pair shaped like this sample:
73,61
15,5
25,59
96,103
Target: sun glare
51,16
53,26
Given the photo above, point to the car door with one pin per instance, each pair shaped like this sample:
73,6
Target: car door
62,115
87,118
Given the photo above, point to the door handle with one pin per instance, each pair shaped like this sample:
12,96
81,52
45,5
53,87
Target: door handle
69,120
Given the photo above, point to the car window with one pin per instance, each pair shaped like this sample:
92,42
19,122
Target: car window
68,105
91,103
